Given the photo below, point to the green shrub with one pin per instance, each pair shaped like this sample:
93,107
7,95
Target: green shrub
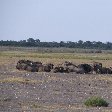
96,101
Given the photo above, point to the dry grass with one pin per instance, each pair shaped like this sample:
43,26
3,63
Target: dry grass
8,60
90,56
7,57
18,80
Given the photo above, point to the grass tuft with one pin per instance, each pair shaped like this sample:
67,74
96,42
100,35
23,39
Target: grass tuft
96,102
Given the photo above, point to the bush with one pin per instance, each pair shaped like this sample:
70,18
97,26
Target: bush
96,101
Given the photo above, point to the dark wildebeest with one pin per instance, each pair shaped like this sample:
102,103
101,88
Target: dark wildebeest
86,68
105,70
28,65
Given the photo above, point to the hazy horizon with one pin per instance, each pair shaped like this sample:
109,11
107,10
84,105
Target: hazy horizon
56,20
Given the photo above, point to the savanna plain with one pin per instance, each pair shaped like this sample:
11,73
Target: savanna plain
22,91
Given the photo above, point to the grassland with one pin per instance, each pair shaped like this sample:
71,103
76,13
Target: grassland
22,91
105,58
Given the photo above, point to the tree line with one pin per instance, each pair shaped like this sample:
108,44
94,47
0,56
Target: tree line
30,42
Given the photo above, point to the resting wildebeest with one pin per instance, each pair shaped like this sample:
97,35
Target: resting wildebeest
78,70
105,70
28,65
67,63
21,65
58,69
65,67
31,69
97,67
86,68
45,67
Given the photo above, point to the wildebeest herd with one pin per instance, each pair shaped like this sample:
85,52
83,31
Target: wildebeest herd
66,67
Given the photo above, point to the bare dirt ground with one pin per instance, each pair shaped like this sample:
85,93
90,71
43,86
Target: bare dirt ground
22,91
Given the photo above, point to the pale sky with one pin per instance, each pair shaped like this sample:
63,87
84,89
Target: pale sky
56,20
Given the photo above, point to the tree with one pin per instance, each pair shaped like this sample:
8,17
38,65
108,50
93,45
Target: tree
37,40
88,44
62,44
80,43
31,40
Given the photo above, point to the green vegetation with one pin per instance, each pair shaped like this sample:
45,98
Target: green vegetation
96,101
69,44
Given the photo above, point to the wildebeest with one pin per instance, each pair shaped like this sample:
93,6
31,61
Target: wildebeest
45,67
58,69
86,68
67,63
66,67
97,67
105,70
28,65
